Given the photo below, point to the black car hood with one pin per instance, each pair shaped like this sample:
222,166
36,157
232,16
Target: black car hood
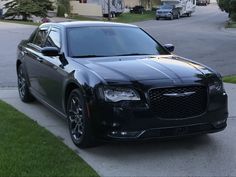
142,68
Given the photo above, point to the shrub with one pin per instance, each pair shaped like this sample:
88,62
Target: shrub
233,16
232,5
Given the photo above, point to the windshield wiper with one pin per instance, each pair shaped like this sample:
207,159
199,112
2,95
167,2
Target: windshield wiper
133,54
87,56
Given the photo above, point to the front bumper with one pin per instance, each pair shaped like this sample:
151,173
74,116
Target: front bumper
163,15
129,121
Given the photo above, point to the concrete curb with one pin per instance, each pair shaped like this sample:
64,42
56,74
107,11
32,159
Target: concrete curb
231,31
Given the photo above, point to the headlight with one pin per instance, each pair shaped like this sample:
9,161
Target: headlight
120,94
216,86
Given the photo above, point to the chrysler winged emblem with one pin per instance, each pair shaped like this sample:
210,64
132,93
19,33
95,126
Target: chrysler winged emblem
179,94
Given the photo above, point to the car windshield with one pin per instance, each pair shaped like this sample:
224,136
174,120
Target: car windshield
166,7
111,41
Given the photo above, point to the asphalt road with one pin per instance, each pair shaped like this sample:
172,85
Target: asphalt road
199,37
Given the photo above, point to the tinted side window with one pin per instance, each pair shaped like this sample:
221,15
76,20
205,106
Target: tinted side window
40,37
53,39
32,36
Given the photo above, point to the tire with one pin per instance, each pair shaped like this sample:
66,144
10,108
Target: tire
171,17
80,127
157,18
189,14
23,87
113,15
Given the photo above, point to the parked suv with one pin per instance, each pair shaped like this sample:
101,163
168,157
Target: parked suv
168,11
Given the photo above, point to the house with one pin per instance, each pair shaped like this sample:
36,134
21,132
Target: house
96,7
86,7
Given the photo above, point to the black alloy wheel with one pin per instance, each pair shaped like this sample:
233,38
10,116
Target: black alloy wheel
78,121
23,88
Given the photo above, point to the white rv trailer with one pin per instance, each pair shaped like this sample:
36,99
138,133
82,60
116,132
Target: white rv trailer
116,6
186,7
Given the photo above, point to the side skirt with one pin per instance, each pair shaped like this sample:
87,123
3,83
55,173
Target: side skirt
36,95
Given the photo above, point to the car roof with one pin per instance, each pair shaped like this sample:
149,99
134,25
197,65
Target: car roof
86,24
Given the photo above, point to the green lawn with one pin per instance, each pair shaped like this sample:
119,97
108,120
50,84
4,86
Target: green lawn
123,18
26,149
130,17
230,79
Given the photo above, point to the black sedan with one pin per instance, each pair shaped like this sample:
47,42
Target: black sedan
115,82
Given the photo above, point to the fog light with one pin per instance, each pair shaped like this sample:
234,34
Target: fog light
219,123
114,133
123,133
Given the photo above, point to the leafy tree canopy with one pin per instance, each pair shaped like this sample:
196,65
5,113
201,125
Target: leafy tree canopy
26,8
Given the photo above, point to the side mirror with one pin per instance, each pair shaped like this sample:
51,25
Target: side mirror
169,47
50,51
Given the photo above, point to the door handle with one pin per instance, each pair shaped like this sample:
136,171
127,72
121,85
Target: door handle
39,59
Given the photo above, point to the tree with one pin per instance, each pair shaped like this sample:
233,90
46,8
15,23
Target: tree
233,9
26,8
224,5
63,7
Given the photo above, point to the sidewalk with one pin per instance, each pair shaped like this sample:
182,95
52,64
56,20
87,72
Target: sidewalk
212,155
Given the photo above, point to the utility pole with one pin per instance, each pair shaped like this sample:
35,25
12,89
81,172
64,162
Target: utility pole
109,10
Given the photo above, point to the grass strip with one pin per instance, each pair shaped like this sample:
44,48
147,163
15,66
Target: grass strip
230,79
26,149
123,18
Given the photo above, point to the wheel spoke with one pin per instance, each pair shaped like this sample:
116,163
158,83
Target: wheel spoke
72,118
80,132
76,118
21,83
74,129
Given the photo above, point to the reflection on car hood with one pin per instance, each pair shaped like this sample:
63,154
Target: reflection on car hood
144,68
